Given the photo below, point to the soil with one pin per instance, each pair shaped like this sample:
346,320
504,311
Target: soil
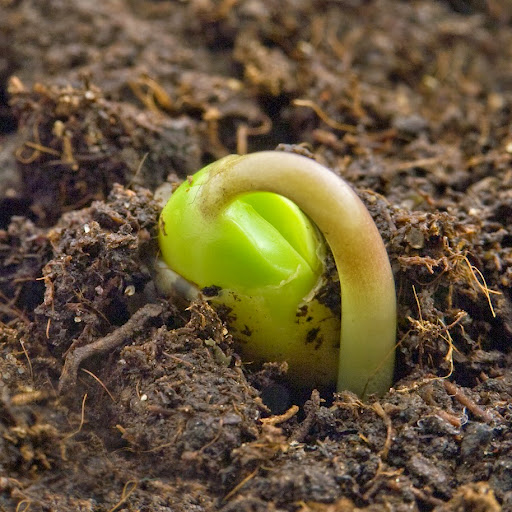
114,398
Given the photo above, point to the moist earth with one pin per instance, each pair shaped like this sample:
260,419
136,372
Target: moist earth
113,397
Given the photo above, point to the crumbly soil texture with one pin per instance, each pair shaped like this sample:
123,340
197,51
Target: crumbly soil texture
114,398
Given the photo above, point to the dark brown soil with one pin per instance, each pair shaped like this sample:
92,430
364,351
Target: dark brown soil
113,398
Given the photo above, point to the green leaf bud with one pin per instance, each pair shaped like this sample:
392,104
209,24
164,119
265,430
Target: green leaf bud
259,257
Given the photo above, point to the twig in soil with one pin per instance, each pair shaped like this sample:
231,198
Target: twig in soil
155,97
36,146
120,336
389,429
425,327
456,393
82,421
42,149
100,382
323,116
244,131
449,354
28,359
214,440
237,487
128,488
395,484
448,417
281,418
177,359
25,503
483,287
421,162
212,117
427,498
401,484
311,407
379,480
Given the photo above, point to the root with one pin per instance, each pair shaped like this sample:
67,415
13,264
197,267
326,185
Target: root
115,339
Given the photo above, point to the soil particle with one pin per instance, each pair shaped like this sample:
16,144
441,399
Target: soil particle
74,145
96,276
178,403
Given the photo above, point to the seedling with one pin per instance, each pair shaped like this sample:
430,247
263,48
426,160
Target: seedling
260,259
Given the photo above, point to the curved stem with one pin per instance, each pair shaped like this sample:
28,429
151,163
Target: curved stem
368,325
